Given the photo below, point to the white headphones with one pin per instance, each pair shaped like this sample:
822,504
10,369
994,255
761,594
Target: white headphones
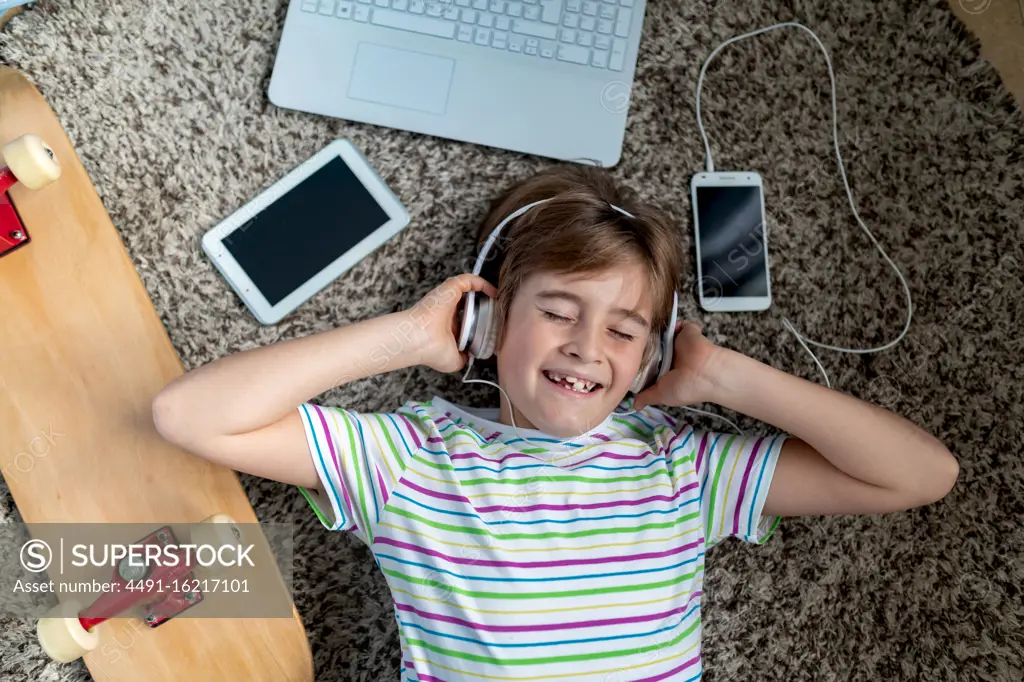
480,323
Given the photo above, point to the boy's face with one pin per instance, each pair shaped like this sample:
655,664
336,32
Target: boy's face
593,328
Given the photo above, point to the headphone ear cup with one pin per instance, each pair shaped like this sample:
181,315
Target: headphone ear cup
638,382
661,360
486,333
668,339
645,377
466,330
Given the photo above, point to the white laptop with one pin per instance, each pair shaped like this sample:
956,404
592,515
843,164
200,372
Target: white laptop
545,77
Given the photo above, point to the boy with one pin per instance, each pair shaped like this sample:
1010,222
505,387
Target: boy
509,559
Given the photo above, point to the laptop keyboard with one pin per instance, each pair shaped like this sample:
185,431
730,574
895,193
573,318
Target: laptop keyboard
591,33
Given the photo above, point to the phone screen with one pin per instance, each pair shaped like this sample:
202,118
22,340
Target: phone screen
730,228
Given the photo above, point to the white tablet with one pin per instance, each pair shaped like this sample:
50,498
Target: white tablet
305,231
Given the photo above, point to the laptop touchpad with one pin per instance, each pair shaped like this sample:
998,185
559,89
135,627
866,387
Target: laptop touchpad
401,78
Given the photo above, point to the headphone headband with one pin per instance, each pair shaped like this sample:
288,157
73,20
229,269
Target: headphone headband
482,257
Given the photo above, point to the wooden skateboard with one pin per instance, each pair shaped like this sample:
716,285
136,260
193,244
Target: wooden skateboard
82,355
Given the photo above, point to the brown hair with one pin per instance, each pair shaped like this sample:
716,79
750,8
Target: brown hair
576,232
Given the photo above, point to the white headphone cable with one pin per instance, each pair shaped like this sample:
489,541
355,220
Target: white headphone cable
849,194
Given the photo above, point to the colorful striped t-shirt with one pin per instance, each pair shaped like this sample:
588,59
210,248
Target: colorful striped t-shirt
509,560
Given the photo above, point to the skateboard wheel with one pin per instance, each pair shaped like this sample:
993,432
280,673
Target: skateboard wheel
217,531
62,636
31,161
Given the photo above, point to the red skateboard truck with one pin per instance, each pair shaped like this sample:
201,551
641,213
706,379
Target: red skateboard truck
31,162
156,592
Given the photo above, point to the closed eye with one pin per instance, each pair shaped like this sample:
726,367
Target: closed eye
559,318
556,318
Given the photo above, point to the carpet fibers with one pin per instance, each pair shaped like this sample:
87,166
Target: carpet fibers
166,104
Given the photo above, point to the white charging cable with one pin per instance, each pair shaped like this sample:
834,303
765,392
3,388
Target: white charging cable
849,194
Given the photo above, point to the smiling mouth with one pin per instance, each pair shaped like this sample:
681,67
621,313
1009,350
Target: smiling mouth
571,383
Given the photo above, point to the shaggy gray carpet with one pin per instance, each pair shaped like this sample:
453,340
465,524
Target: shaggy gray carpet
166,104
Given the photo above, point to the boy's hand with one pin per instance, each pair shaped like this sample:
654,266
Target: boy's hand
691,378
435,316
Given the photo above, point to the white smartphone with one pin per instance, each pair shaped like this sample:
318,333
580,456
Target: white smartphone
305,231
731,242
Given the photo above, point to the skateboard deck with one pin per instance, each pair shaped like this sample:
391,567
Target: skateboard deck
82,355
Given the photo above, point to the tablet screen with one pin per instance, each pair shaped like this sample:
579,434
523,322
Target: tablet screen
304,231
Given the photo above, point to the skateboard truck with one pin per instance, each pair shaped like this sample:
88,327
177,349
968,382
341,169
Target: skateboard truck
32,163
133,583
67,632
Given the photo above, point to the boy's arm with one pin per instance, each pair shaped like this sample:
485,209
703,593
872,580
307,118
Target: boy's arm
847,457
242,410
